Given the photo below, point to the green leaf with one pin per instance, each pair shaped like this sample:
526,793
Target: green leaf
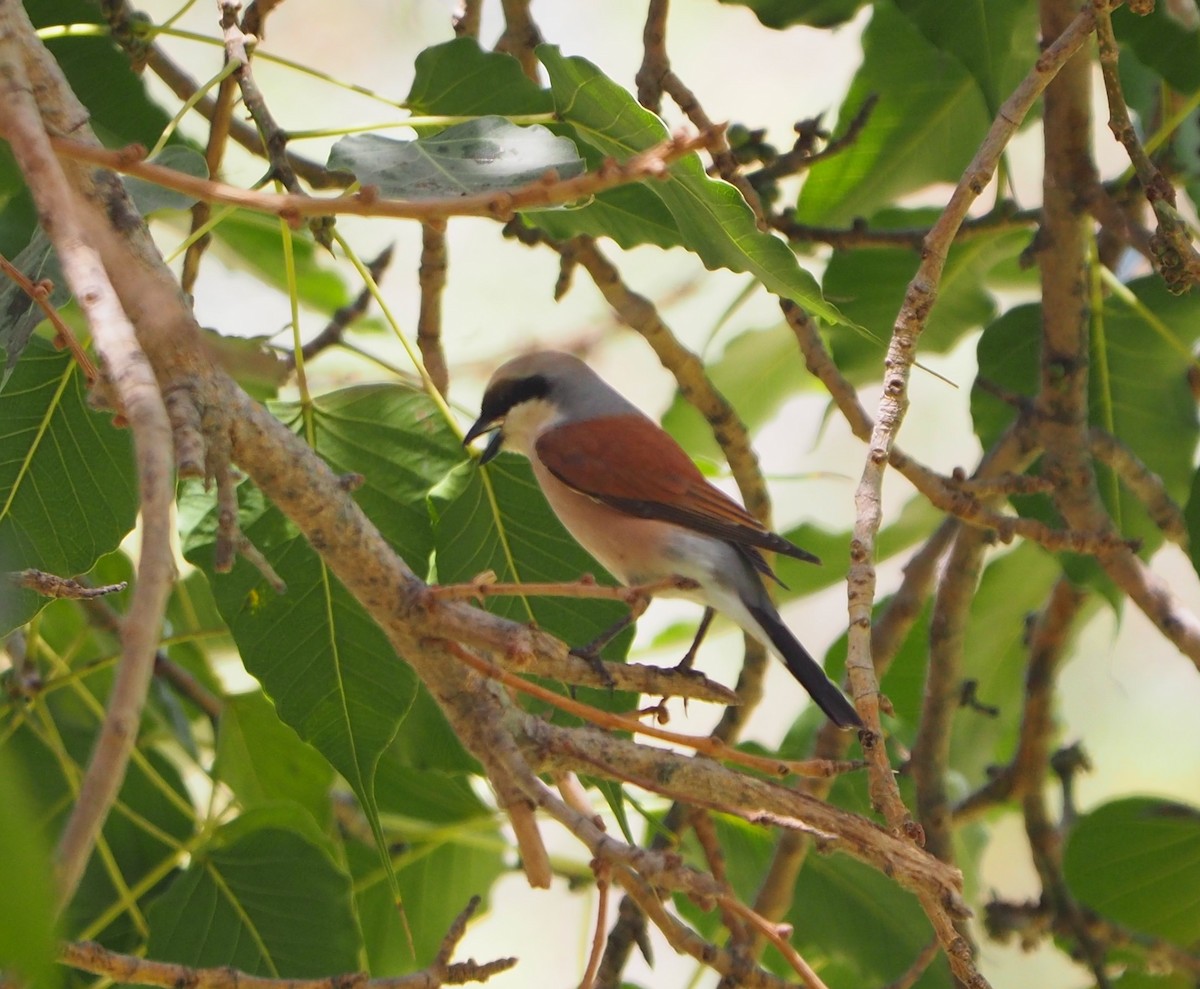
1141,355
1013,587
252,241
629,215
1137,861
19,314
263,761
813,13
458,78
402,445
869,287
757,372
27,934
1161,43
68,493
480,155
438,876
922,133
329,669
264,897
118,105
994,40
713,219
151,198
848,911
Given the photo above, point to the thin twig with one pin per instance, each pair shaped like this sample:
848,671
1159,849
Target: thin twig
88,956
1174,255
345,317
712,747
39,292
52,586
431,276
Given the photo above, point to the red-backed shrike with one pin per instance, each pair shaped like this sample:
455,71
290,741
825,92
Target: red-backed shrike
634,500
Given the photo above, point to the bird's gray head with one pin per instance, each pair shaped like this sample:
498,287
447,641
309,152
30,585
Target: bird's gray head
535,392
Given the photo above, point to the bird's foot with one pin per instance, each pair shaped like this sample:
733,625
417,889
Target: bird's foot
591,655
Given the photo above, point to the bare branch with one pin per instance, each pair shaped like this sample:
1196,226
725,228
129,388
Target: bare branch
548,191
135,390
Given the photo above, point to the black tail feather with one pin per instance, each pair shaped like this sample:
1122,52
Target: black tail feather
805,669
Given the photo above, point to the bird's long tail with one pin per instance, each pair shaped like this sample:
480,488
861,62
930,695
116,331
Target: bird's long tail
805,669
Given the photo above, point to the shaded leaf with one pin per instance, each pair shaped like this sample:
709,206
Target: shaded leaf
264,897
458,78
68,492
263,761
918,134
994,40
327,666
151,198
1141,355
439,875
27,935
1137,861
477,156
1161,43
19,314
329,669
814,13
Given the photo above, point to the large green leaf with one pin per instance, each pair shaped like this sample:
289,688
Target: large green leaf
994,40
152,816
263,896
329,669
439,872
458,78
1139,389
713,219
813,13
253,241
869,286
1137,861
68,490
263,761
327,666
923,132
480,155
27,935
1161,43
1014,586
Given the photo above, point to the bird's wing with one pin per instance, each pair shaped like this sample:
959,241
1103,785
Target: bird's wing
630,463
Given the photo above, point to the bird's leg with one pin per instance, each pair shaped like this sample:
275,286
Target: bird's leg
690,656
590,651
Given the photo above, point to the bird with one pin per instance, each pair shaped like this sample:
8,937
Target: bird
629,494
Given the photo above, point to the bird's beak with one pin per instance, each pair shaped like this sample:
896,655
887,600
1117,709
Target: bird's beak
480,427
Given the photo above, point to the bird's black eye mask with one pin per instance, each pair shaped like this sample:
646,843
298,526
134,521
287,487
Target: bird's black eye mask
505,395
497,402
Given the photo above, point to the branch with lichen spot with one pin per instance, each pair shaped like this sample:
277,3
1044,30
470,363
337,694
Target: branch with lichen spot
550,190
